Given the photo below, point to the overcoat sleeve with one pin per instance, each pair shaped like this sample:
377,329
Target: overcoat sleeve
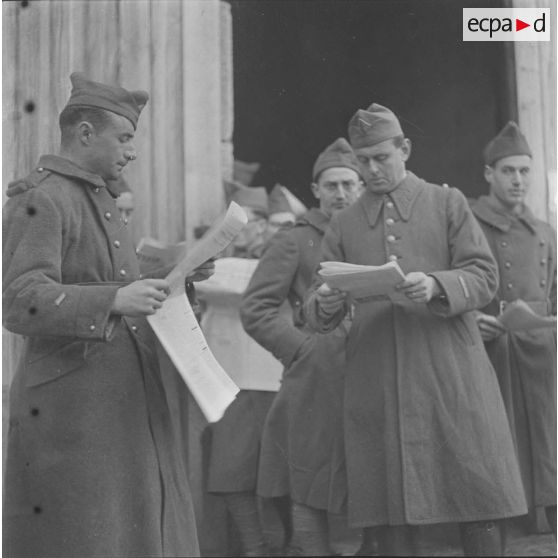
35,300
331,250
472,280
267,291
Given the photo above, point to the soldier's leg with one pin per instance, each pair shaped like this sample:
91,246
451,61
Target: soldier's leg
481,538
310,531
396,540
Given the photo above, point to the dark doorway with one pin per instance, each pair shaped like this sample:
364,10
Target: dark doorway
302,68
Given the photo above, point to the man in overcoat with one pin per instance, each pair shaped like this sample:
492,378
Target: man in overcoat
91,468
525,361
302,441
426,434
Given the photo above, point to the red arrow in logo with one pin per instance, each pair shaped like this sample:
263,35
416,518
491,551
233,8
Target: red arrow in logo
519,25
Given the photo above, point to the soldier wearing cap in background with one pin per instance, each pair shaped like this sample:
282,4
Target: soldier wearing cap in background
426,435
91,468
525,361
235,439
302,443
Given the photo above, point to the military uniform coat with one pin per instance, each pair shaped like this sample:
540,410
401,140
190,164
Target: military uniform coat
91,469
426,434
302,442
525,361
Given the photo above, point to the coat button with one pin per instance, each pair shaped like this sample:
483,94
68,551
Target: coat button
134,328
35,412
389,221
391,238
543,282
392,258
507,265
40,169
122,272
117,243
543,261
509,286
108,215
503,243
125,220
389,204
96,190
92,327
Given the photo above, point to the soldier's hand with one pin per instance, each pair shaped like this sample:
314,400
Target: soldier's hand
490,327
419,287
203,272
141,298
329,300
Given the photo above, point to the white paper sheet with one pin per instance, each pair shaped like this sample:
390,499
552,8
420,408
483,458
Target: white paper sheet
362,281
519,316
215,240
180,334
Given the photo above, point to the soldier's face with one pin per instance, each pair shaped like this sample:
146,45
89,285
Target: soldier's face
112,148
383,165
337,188
510,179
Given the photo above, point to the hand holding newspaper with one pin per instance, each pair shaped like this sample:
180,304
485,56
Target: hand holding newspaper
519,316
179,333
362,281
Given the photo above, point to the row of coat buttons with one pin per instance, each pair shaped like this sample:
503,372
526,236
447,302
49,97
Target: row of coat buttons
504,244
390,238
542,283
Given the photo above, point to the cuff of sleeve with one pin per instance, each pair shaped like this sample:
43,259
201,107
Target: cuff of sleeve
94,320
455,298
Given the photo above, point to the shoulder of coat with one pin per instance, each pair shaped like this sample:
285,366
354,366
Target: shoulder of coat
32,180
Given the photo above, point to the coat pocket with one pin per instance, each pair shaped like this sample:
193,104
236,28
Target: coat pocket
50,365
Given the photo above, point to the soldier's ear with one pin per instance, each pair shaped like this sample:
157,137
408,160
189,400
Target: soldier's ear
315,190
85,132
488,171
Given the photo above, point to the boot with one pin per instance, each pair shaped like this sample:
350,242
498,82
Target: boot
369,544
310,531
481,538
550,512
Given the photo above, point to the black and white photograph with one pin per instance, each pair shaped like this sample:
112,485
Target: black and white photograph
279,278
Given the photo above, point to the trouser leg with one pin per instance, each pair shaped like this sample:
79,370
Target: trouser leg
481,538
550,512
283,506
243,508
369,545
396,540
310,530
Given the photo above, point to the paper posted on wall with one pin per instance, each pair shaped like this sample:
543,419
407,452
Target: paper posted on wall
178,330
518,316
362,281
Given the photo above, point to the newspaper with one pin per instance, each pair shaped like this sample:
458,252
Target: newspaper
179,333
519,316
153,254
362,281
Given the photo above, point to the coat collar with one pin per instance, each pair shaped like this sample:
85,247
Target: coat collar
61,165
486,210
315,218
403,197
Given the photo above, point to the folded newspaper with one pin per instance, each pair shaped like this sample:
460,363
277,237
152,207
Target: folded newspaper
153,254
177,328
362,281
518,316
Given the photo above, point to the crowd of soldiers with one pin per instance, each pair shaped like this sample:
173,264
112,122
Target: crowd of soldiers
396,413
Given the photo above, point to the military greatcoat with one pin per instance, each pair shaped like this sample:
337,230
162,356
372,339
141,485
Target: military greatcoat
525,361
302,441
91,469
426,434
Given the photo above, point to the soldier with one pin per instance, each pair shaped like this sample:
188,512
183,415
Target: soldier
302,442
91,469
426,435
525,361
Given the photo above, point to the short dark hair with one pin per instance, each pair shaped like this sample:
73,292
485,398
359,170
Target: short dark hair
73,115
